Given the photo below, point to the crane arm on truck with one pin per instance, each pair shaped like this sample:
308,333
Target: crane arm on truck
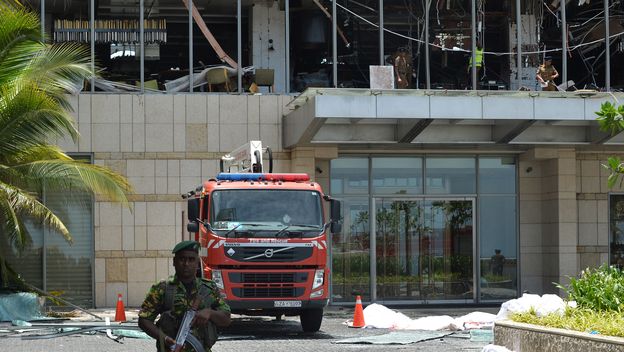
247,158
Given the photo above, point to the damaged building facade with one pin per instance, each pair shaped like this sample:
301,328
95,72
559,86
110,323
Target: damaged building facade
467,186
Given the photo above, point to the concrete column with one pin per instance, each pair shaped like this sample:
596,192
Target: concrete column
548,218
269,40
302,160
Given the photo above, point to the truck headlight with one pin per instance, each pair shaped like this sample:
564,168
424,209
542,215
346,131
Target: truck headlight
319,277
218,279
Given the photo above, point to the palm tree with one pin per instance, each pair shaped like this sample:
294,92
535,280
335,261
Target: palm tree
35,79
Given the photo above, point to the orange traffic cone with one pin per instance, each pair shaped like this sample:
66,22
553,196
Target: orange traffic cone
358,316
120,312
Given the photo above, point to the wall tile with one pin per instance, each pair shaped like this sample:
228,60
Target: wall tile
84,108
212,108
110,214
179,138
140,238
214,138
142,270
270,109
191,167
253,109
125,108
158,137
138,108
100,270
590,168
100,295
173,185
143,185
196,137
161,237
105,137
161,185
173,167
112,289
116,270
587,211
140,167
160,213
588,234
270,137
196,109
127,238
110,238
158,109
105,108
138,137
126,140
232,110
137,292
179,108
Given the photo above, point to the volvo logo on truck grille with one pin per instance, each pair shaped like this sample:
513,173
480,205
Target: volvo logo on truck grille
261,252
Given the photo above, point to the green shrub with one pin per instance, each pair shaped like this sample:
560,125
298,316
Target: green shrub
608,323
600,289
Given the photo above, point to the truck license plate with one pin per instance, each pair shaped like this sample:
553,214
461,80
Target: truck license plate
287,304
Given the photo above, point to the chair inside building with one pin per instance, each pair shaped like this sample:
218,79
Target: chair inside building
216,76
265,77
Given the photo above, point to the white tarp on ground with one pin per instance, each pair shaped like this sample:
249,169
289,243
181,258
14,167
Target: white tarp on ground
543,305
379,316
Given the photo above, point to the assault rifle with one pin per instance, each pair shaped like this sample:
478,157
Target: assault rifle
185,327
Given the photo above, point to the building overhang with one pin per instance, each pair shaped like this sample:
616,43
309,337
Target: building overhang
400,118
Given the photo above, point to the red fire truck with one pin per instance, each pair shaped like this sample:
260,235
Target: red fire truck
263,237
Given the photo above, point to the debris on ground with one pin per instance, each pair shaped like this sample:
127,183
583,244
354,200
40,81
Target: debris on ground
542,305
20,306
495,348
381,317
395,338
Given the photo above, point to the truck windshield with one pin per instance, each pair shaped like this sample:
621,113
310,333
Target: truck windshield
266,213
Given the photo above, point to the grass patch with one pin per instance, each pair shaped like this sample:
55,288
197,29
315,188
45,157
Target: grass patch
609,323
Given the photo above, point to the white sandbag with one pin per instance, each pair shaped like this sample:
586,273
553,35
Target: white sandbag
518,305
431,323
474,320
549,304
495,348
544,305
381,317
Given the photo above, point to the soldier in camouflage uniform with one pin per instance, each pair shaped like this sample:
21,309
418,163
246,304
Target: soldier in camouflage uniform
183,287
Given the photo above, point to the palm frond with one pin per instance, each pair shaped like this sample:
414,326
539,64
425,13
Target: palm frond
31,118
20,38
60,68
15,204
78,176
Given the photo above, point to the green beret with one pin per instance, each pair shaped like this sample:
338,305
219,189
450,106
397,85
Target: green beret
188,245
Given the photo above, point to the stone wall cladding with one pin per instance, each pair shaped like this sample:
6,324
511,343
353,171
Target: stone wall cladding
521,337
165,145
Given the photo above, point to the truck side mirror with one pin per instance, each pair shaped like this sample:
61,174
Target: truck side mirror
193,214
192,209
335,213
192,226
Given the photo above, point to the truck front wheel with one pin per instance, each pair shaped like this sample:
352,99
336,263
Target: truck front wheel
311,319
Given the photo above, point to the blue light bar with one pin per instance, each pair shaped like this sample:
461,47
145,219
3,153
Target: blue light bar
240,177
262,177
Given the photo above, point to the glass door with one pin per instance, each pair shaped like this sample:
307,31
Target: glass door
424,249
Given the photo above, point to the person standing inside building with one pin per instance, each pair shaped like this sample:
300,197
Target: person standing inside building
497,261
546,75
478,65
402,69
171,298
